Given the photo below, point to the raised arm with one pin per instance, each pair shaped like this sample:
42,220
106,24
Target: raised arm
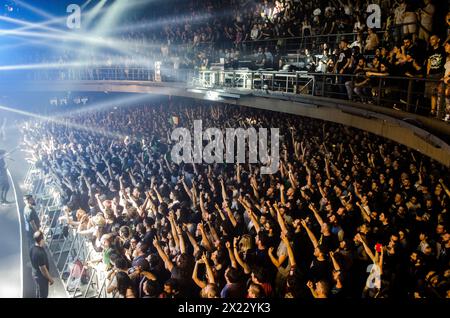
224,192
292,179
311,235
200,283
366,248
282,197
186,188
167,163
277,262
181,239
100,203
290,251
191,239
231,255
238,174
213,232
252,217
254,186
209,271
205,241
243,264
380,264
173,229
327,167
102,178
230,214
158,195
280,219
364,214
316,214
219,210
167,262
336,265
444,186
310,285
309,177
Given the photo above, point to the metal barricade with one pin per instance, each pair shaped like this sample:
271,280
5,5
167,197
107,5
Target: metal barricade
71,251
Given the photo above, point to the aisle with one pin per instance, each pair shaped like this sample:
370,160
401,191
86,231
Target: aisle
11,273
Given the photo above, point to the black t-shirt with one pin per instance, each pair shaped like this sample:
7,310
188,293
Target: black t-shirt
360,75
436,58
320,270
38,258
411,51
329,243
31,215
344,56
186,285
303,249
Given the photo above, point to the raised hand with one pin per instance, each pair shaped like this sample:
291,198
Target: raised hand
155,242
303,222
284,237
235,241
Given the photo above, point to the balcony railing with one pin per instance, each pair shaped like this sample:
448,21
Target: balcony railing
405,93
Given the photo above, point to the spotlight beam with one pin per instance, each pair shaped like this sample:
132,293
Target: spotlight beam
117,45
33,9
85,4
30,25
93,12
62,119
109,18
80,63
63,122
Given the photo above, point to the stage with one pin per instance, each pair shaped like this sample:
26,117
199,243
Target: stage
15,268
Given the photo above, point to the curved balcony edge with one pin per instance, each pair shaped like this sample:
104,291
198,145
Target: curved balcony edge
426,135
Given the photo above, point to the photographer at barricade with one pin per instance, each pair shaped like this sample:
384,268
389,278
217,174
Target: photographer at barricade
4,184
40,267
31,217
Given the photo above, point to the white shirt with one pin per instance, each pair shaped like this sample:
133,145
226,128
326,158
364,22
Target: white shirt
447,67
254,33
